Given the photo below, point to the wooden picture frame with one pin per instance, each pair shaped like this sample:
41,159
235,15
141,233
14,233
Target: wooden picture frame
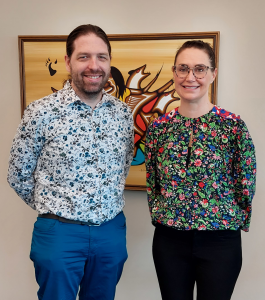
141,77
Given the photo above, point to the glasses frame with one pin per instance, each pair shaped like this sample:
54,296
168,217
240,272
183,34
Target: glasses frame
191,69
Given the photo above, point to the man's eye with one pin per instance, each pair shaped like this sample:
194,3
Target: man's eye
102,57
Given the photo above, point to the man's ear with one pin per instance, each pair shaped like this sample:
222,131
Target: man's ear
67,63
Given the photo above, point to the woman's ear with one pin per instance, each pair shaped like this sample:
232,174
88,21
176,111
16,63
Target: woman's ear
214,74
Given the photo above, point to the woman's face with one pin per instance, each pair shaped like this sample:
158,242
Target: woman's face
190,88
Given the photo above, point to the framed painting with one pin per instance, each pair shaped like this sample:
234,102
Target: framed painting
141,76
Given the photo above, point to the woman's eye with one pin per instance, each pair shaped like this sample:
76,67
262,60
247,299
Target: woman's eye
182,69
199,69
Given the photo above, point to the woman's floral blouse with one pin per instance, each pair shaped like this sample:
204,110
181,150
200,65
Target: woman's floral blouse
216,190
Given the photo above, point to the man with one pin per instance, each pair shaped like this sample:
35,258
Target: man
69,161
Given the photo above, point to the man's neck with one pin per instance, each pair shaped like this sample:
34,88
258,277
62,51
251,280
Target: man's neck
90,99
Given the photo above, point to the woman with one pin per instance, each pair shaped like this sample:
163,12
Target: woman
200,164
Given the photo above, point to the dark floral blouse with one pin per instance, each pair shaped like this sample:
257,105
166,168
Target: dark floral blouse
215,190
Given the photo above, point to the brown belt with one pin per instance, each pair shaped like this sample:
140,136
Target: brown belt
64,220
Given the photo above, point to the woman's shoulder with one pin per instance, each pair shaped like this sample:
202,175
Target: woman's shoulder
164,119
225,114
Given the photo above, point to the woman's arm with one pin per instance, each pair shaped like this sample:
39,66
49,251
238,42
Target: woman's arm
244,171
150,163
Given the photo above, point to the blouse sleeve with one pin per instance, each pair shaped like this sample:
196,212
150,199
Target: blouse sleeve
150,163
244,172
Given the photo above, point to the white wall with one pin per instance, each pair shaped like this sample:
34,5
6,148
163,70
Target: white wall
241,90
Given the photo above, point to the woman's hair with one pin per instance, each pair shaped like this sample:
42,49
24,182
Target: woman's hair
84,30
198,44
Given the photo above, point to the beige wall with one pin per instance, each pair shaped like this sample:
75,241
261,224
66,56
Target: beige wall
241,90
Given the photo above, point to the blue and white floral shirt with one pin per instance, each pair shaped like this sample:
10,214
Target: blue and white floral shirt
71,160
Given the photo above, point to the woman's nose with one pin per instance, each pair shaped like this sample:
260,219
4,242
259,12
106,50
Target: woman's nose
190,75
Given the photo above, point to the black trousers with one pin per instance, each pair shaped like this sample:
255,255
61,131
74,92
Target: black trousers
212,259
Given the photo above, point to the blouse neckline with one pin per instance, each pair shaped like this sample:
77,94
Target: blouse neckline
205,116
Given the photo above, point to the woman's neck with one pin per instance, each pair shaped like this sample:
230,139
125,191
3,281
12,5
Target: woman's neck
194,110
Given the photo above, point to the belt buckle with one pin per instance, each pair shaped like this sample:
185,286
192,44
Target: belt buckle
89,224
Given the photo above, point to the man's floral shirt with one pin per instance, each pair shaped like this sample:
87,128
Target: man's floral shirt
70,160
215,191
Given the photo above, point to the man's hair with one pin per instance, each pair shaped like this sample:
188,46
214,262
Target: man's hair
84,30
198,44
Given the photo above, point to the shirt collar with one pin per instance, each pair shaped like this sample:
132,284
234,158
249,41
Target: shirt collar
69,95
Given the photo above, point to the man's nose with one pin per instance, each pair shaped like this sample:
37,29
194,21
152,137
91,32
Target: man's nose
93,63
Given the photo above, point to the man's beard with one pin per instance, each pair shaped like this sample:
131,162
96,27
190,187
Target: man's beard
89,89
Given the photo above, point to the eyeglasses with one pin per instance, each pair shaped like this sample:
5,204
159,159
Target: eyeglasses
199,71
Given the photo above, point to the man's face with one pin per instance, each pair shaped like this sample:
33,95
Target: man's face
89,65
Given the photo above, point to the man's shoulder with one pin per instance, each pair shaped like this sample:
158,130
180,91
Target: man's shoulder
44,101
50,103
118,104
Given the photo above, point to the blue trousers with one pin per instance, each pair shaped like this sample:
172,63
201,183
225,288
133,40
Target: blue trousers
68,257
